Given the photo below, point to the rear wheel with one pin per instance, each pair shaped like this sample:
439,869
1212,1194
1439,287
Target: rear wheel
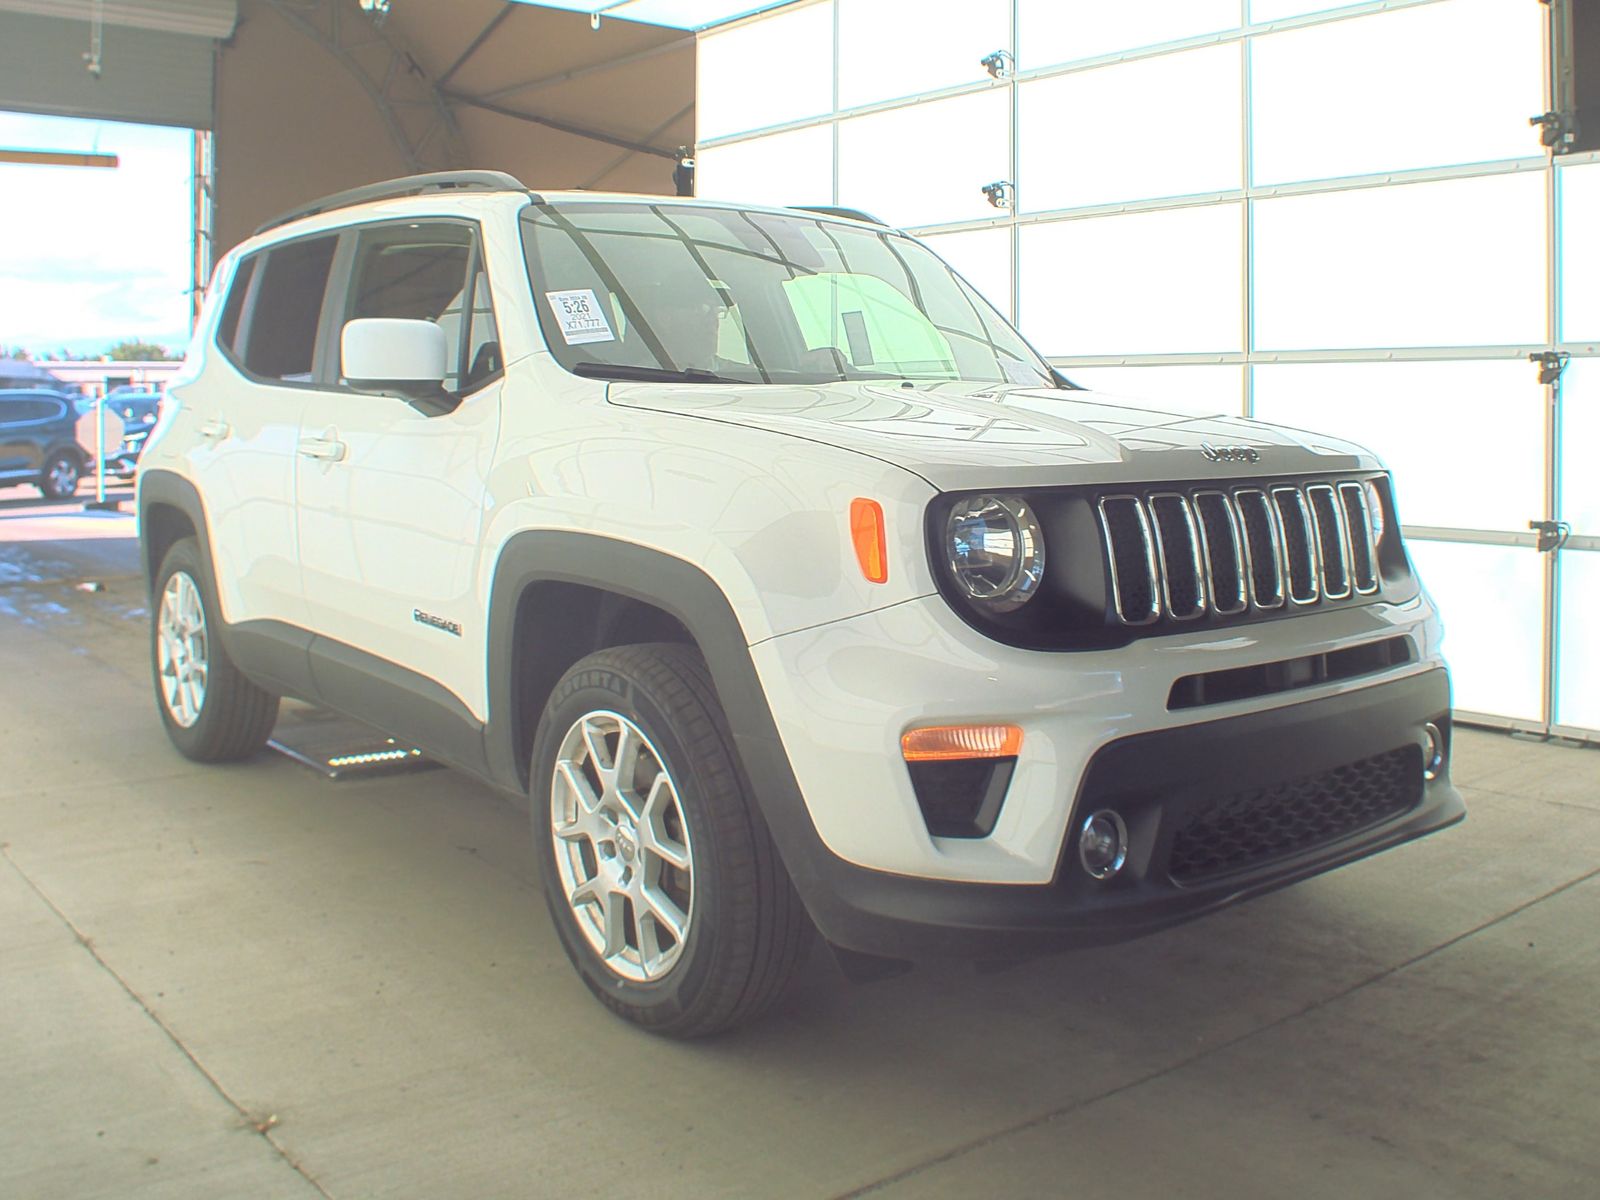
60,476
211,711
661,878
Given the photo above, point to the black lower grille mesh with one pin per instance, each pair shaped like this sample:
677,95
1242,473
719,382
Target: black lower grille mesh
1246,829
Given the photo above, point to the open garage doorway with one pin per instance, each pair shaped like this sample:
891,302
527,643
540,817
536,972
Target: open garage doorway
101,259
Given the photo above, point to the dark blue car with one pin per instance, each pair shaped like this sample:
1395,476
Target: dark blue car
38,444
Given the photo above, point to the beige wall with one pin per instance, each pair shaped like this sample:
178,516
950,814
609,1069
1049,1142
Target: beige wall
293,124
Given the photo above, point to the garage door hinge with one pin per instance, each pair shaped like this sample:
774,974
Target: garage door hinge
1552,534
1551,364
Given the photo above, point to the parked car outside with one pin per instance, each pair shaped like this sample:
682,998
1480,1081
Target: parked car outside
38,444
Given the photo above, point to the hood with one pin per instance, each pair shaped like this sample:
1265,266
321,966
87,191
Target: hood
973,435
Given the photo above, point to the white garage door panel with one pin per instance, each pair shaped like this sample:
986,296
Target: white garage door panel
1075,155
149,77
764,73
781,168
1465,440
1492,601
1578,681
1580,251
1455,263
1441,84
1200,390
927,165
1052,32
197,18
892,48
1149,282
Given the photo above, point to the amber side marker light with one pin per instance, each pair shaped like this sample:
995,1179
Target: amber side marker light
866,531
944,743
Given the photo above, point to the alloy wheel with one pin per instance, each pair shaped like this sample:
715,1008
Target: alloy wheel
622,847
182,648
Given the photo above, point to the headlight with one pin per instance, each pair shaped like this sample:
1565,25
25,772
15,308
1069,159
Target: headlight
1375,513
996,551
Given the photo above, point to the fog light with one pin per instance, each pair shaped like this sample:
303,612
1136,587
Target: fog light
1103,844
1433,755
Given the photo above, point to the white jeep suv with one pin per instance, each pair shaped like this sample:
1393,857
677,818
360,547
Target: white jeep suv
791,586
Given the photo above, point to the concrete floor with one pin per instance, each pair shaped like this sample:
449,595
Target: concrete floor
250,982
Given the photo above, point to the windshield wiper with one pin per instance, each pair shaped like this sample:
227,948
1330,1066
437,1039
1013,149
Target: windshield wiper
631,371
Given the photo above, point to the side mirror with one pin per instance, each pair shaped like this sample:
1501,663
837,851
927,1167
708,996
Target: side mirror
385,354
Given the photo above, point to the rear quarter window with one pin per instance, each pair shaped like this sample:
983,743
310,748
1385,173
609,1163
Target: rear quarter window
276,338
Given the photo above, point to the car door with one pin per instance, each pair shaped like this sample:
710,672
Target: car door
18,418
391,495
245,411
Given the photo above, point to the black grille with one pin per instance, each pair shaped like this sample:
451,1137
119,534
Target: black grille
1246,829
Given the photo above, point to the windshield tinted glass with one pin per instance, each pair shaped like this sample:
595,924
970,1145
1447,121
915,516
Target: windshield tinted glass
641,290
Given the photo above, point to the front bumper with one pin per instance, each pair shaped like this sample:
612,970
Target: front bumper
1157,780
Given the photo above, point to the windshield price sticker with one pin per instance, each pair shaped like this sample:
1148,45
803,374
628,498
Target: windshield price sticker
580,316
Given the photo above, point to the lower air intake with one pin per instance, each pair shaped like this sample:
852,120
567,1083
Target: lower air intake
1246,829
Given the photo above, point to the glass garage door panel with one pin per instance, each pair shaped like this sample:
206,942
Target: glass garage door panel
983,258
1429,86
1578,643
1579,438
1275,10
1457,263
1580,252
894,48
1578,630
927,164
1186,389
764,73
781,168
1147,283
1492,601
1465,440
1049,31
1074,156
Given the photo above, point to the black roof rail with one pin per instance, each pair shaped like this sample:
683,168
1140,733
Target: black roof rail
831,210
409,185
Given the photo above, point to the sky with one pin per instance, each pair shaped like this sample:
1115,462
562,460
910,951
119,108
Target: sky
91,256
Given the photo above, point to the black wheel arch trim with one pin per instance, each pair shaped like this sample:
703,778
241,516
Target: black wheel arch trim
695,600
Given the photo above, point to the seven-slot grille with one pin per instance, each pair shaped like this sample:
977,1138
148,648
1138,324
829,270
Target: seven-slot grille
1187,553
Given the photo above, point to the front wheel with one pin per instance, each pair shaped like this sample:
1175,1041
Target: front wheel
211,711
59,480
659,873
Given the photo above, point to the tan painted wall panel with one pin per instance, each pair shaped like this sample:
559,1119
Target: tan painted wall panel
292,125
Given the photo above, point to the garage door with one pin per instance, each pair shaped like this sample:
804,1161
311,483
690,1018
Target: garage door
1334,216
155,58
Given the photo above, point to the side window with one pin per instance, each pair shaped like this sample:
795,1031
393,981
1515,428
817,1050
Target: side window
228,327
420,273
281,335
29,409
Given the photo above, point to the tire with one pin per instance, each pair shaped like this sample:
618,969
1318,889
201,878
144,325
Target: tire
220,716
59,479
744,933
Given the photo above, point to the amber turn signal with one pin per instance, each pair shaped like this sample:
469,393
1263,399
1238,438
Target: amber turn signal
866,531
942,743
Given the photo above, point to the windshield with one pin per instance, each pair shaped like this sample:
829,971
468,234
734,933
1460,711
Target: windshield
644,290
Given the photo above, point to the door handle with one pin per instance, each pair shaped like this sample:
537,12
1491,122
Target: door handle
326,449
215,430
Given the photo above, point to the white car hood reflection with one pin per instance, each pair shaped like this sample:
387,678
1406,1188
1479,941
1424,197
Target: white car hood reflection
959,435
